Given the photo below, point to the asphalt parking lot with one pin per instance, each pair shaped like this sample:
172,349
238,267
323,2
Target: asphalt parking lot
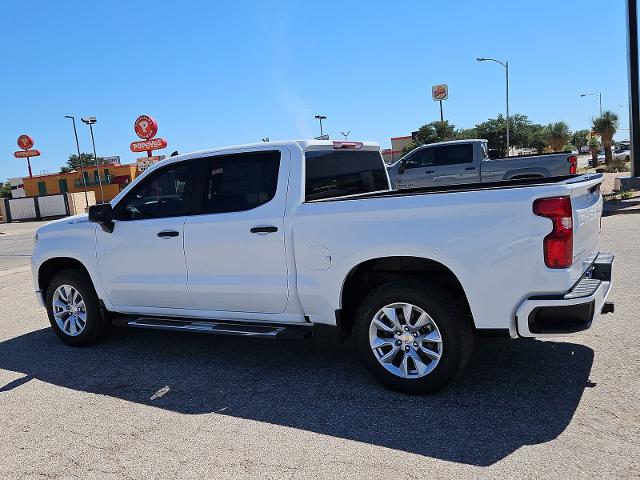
174,405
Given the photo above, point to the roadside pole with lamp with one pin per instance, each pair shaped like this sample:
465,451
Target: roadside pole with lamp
599,95
506,68
91,121
84,180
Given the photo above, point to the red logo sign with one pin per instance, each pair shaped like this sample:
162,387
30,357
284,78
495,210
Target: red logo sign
25,142
145,127
148,145
26,153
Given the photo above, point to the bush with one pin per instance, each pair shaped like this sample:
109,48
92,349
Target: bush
618,165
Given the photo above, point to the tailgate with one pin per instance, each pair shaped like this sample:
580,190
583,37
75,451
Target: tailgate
586,201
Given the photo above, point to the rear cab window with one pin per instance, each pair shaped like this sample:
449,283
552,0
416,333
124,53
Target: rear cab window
339,173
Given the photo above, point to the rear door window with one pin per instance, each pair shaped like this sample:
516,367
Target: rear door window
453,154
337,173
240,181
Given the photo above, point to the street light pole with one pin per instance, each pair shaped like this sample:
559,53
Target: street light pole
506,69
84,181
599,95
320,118
91,122
634,85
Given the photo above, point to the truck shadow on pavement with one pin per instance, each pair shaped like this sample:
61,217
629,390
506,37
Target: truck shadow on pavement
513,393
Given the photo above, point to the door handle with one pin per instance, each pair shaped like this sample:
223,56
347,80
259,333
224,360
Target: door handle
470,168
266,229
430,171
168,234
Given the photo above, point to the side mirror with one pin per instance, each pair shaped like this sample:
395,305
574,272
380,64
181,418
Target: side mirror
102,214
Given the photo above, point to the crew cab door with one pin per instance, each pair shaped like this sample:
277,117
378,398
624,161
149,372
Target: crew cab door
455,164
419,169
142,261
235,245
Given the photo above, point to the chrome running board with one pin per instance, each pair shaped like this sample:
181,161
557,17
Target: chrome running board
221,328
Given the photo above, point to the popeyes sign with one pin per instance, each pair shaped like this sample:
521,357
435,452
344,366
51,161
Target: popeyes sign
146,128
25,142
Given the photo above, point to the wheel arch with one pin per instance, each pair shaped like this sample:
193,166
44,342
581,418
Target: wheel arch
52,266
374,272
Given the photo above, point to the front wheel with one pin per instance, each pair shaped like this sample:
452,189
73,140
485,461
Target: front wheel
413,337
73,309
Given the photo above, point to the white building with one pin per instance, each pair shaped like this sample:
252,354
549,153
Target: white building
17,187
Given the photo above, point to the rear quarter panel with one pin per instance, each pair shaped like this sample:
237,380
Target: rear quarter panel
543,166
490,239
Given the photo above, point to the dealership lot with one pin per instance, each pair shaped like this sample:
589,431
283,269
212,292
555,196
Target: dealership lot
158,404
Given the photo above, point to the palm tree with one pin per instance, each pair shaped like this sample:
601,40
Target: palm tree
594,147
606,125
558,134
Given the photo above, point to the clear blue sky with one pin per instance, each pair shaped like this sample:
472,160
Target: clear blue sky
223,73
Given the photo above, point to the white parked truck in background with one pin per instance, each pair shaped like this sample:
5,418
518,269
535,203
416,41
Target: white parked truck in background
270,239
469,161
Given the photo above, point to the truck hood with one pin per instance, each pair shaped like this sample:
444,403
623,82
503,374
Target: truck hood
62,223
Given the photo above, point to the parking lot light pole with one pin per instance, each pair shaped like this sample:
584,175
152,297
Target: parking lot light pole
599,95
506,70
84,181
91,121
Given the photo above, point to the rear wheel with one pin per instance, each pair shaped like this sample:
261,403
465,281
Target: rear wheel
73,308
413,337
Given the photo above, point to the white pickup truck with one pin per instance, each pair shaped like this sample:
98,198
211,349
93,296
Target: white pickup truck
270,239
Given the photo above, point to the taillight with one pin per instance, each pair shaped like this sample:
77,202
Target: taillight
558,245
573,168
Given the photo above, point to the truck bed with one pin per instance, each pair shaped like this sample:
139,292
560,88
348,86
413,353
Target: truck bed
519,183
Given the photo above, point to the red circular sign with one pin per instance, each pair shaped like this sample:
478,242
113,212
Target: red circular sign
145,127
25,142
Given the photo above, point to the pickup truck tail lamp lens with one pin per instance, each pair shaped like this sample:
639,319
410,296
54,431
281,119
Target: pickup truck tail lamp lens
573,168
356,145
558,245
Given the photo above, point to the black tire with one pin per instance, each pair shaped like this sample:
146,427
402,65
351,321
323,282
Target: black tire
95,326
454,325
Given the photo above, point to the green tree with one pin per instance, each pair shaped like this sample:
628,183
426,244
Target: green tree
431,133
495,131
606,125
558,134
466,134
580,138
536,137
74,164
5,190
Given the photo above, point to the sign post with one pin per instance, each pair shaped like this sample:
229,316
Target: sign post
438,94
25,142
146,128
